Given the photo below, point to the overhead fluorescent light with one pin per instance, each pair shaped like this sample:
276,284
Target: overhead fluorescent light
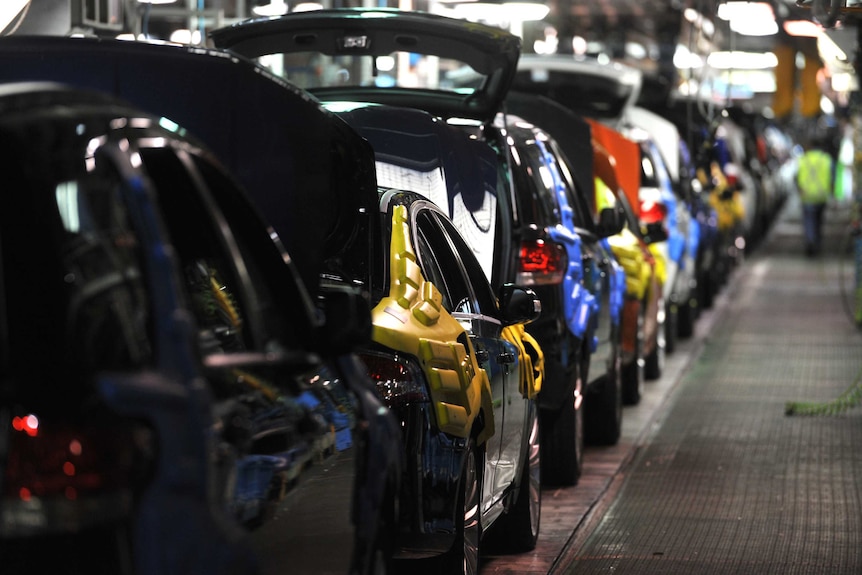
523,10
749,18
805,28
738,60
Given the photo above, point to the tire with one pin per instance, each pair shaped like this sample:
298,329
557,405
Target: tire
562,439
671,326
685,318
463,557
654,361
632,373
518,530
381,561
603,415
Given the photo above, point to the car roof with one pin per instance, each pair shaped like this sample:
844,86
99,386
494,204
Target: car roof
603,90
490,51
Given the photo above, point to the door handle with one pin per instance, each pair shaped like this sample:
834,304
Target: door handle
506,357
482,355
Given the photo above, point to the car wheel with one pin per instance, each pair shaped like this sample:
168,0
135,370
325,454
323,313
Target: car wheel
518,529
705,291
632,373
685,318
463,557
604,407
381,560
562,439
671,326
654,361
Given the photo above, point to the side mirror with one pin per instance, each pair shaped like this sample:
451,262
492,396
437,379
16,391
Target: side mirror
612,220
518,304
347,324
654,232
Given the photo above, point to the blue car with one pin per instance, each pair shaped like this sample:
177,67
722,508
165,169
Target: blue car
160,352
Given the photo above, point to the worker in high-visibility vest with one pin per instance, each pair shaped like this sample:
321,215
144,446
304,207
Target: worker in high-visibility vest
814,184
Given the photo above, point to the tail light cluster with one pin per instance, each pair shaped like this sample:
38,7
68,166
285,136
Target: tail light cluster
399,380
541,262
65,476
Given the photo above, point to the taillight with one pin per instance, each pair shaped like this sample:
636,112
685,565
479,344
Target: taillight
62,476
541,262
399,381
652,212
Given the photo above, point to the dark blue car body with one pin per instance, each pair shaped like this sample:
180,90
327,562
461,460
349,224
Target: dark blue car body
290,442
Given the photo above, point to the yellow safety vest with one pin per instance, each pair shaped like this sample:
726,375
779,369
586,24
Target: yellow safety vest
814,177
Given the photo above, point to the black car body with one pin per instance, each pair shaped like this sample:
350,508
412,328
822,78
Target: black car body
446,366
476,64
587,293
172,400
310,174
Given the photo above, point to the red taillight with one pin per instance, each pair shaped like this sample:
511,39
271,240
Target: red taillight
399,382
47,460
652,212
541,262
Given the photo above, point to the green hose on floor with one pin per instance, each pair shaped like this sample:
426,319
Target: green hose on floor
850,398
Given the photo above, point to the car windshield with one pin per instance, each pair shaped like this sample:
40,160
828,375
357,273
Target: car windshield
312,70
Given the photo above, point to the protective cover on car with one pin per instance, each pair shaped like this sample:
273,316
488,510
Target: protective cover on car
309,174
490,51
412,319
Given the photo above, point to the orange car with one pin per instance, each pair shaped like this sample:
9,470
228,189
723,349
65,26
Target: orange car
642,340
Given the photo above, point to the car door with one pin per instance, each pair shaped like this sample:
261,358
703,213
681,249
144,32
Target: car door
285,444
443,254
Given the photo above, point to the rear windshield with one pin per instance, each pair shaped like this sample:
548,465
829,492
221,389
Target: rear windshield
312,70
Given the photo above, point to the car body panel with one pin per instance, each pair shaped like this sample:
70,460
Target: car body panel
241,412
243,97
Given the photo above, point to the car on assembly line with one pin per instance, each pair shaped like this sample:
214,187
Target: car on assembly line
589,160
346,57
584,276
607,93
314,179
173,401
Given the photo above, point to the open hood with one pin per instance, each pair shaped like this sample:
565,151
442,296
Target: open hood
446,66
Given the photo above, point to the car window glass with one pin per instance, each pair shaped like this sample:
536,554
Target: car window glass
577,197
649,176
74,278
529,174
210,279
439,264
286,314
485,299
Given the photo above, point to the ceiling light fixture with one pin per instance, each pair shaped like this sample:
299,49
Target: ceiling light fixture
749,18
505,10
270,8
